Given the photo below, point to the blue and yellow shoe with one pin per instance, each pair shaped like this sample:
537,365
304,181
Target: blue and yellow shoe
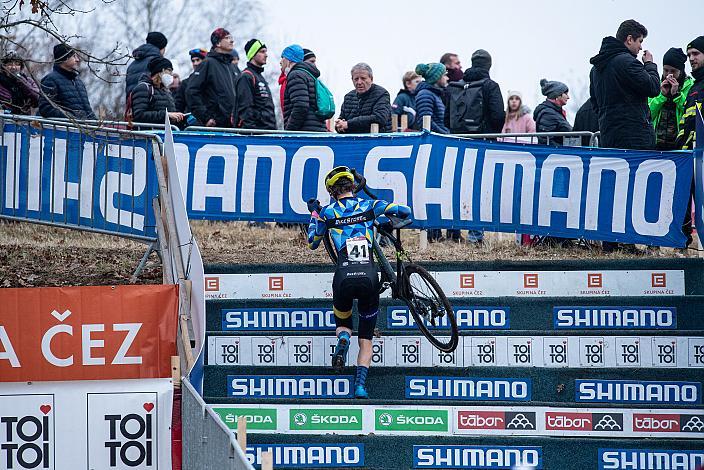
339,357
361,392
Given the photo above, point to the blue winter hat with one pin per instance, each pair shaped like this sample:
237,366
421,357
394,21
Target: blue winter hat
294,53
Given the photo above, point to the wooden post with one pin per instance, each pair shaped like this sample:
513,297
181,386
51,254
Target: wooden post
374,128
394,123
167,273
184,291
404,122
267,461
242,433
423,240
176,371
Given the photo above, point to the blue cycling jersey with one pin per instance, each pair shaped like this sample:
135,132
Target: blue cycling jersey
351,217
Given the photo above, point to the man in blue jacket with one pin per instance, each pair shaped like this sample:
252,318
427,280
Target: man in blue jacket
64,94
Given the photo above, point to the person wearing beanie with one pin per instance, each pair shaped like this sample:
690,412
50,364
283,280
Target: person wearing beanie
300,97
211,91
154,46
290,54
255,105
688,126
197,57
18,92
309,56
236,62
367,104
519,119
620,87
667,108
550,115
151,99
63,93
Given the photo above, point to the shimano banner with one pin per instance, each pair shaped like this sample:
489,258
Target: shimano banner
101,181
602,194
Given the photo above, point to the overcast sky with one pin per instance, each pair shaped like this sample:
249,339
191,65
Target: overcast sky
528,40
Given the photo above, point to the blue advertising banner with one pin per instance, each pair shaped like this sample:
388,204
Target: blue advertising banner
602,194
96,181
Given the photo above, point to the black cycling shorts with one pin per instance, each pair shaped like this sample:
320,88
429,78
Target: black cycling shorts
359,282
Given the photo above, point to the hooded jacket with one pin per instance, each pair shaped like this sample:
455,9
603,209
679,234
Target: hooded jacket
140,65
211,89
255,105
549,117
429,103
67,91
688,122
620,87
362,110
494,113
300,102
522,123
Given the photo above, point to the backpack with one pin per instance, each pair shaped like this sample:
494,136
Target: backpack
323,99
466,107
128,107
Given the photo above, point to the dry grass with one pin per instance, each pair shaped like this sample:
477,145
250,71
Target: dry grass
37,255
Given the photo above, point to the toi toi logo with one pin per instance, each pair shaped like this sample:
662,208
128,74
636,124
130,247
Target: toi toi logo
25,440
131,441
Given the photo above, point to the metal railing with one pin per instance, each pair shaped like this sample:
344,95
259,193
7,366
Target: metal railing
232,130
123,125
573,138
207,442
112,194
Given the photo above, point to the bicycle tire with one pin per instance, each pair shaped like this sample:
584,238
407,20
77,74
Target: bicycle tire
431,297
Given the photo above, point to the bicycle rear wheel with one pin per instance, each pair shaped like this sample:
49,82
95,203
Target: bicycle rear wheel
430,308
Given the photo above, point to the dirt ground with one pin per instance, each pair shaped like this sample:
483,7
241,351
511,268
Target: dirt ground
36,255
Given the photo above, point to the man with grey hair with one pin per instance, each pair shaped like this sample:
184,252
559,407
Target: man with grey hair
367,104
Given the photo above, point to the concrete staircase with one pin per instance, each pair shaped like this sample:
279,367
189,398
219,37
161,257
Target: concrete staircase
563,365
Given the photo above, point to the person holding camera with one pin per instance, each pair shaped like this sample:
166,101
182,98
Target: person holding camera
667,108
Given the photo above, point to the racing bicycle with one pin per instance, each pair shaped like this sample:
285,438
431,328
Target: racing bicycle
409,282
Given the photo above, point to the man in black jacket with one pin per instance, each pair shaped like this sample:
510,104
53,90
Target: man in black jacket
197,58
688,122
587,120
66,92
492,113
367,104
211,88
300,98
549,116
154,47
620,87
255,106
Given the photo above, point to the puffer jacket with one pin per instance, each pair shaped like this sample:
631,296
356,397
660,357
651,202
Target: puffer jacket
361,111
549,117
620,86
300,102
211,89
150,103
140,65
67,91
429,103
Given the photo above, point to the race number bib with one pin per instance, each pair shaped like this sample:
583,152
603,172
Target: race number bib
357,250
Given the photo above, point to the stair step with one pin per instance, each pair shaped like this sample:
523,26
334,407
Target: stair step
480,452
680,313
598,387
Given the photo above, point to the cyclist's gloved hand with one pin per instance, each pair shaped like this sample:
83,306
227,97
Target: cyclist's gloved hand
314,206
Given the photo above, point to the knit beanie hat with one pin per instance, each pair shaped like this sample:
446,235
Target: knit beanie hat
515,93
13,56
198,53
218,35
308,54
157,64
431,72
62,52
294,53
697,44
552,89
481,59
674,57
234,54
252,47
157,39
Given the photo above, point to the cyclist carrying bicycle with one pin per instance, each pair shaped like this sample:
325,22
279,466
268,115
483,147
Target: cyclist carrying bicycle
350,221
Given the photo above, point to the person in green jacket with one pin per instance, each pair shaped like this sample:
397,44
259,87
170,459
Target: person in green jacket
667,108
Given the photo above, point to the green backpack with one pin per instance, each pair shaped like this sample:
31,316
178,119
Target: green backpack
323,99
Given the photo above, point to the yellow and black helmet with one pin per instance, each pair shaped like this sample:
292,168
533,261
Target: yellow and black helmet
336,174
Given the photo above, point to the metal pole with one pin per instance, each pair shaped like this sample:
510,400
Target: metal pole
423,240
142,263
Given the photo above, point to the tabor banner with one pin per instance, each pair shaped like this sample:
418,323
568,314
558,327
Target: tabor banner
604,194
98,181
87,333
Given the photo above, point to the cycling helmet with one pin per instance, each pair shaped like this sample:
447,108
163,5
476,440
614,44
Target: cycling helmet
336,174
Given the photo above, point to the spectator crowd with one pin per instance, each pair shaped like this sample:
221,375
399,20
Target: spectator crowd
631,103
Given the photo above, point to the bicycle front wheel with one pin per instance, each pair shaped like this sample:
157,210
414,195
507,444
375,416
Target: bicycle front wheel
430,308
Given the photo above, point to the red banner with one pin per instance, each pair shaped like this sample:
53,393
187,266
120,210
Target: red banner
87,333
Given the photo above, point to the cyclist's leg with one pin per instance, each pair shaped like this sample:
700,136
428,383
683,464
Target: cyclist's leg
342,307
368,306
